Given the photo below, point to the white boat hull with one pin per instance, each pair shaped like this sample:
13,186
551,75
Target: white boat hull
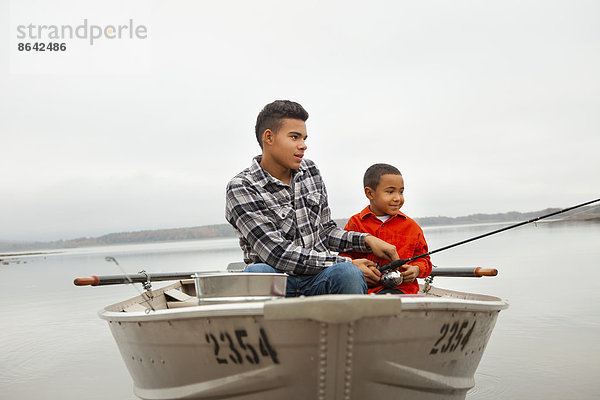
321,347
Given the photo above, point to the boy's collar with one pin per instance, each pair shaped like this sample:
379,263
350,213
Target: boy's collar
262,177
367,211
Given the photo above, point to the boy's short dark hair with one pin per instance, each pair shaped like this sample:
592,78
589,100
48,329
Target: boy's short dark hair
271,115
374,172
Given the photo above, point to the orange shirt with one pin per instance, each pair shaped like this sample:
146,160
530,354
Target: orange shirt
402,232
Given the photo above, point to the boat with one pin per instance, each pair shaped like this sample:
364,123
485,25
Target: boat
233,335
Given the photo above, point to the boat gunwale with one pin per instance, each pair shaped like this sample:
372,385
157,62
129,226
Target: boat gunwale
424,303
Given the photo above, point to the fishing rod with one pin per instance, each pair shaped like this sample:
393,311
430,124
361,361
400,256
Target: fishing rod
145,278
398,263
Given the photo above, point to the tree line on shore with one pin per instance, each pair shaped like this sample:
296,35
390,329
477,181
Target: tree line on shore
225,230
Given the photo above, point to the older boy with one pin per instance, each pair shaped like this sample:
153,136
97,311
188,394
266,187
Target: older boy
384,187
278,207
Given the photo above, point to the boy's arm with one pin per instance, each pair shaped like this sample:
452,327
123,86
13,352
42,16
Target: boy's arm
422,264
367,267
343,241
338,239
247,211
351,226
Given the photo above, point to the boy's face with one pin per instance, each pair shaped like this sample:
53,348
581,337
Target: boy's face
389,195
287,146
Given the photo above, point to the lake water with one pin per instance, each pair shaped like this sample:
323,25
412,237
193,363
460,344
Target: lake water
545,346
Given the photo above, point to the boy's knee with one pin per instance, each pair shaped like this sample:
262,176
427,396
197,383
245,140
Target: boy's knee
260,268
346,278
347,271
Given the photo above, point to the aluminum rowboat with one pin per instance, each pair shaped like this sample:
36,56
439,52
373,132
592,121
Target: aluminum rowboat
424,346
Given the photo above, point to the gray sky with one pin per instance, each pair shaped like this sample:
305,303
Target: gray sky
484,106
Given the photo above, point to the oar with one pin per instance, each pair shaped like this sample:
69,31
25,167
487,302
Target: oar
468,272
138,278
399,263
173,276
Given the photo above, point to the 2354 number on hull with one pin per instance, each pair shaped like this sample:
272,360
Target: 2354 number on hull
453,335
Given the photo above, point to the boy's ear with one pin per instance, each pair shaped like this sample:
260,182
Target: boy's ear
370,193
268,136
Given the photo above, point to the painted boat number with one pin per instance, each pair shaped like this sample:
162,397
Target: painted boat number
234,355
452,337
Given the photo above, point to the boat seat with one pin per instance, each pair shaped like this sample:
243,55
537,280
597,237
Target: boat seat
236,266
176,298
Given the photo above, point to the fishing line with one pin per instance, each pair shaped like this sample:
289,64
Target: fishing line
146,298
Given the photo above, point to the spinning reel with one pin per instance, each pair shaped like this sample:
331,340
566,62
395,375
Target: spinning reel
391,279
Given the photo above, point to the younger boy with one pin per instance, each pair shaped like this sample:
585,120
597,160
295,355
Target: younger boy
384,187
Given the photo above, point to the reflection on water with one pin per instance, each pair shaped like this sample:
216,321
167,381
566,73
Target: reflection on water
545,346
488,387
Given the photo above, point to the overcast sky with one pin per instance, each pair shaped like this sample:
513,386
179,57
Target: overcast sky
484,106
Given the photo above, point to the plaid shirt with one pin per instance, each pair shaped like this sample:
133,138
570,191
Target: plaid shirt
288,227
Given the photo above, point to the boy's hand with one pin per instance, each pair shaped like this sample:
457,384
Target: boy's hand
409,273
382,249
369,270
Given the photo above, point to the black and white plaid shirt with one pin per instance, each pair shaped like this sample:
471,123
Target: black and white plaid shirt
288,227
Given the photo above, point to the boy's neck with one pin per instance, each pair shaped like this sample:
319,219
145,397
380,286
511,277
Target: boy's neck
382,215
275,169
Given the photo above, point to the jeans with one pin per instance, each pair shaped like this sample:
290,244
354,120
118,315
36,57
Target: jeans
341,278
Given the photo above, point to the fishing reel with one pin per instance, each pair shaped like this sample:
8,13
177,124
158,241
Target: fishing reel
390,276
391,279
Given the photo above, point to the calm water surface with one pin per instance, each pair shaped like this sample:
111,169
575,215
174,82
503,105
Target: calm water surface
545,346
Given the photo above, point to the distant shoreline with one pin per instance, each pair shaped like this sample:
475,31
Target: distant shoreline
37,253
226,231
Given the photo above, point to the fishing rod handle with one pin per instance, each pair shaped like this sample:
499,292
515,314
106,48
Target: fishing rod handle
393,265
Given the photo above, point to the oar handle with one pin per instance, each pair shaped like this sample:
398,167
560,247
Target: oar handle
485,271
91,281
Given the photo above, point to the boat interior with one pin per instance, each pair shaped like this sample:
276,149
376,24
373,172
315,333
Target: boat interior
183,293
